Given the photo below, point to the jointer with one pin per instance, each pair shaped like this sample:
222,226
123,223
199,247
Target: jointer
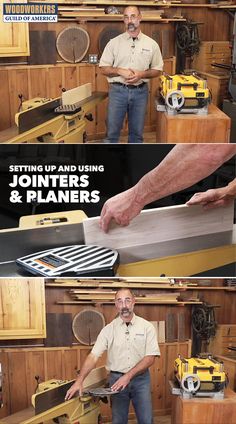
50,405
59,120
170,241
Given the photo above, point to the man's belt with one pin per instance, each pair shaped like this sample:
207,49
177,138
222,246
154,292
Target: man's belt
130,86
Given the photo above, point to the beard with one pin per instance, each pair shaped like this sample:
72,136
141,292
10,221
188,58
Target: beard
131,27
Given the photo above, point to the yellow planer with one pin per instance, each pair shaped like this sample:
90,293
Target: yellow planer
202,376
184,94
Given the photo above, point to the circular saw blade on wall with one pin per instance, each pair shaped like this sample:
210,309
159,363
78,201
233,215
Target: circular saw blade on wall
106,35
86,326
72,44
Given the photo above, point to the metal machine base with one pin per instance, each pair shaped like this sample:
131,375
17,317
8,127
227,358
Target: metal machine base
176,390
160,107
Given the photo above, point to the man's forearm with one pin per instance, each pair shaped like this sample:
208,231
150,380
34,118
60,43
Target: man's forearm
183,166
109,71
141,366
151,73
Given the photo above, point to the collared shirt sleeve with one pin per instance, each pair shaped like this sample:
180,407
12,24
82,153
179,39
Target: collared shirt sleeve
107,58
157,61
152,347
101,343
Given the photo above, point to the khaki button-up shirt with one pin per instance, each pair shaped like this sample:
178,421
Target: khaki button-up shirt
141,54
126,346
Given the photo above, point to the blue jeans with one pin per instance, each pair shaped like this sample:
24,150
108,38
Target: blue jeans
139,392
124,100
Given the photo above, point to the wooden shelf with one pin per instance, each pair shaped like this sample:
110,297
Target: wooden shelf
108,302
98,17
116,285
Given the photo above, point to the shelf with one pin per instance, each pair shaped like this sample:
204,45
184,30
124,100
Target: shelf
98,17
137,302
74,284
118,285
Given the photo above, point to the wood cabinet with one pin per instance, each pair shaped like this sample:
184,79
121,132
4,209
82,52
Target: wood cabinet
22,308
204,410
14,40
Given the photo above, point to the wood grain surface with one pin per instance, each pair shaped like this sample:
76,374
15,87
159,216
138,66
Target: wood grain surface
159,225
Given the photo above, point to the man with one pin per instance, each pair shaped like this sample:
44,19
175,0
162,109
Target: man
129,61
185,165
131,345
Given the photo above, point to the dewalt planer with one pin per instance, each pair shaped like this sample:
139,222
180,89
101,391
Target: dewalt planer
201,376
183,94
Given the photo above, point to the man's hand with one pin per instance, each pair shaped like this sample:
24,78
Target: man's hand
122,208
125,73
76,387
212,198
121,383
134,77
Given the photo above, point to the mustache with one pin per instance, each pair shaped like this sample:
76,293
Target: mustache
131,27
125,310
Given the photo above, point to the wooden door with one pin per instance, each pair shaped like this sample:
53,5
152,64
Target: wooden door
22,308
14,40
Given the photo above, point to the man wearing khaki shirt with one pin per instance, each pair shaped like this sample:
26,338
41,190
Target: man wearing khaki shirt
131,345
129,61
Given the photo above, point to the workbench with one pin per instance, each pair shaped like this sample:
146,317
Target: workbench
193,128
204,410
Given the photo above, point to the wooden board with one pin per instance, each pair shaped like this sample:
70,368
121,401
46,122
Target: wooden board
59,329
42,47
159,225
77,94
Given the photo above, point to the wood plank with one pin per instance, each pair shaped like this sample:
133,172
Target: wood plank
162,224
76,94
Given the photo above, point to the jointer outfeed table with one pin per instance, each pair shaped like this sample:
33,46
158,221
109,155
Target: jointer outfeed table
170,241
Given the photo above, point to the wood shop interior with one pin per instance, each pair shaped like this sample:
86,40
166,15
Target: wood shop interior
48,327
38,62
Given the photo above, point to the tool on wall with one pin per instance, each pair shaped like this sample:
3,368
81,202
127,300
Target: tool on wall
203,326
187,42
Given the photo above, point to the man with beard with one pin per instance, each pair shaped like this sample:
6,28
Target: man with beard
129,61
131,345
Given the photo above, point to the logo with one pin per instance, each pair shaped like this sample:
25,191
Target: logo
30,12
